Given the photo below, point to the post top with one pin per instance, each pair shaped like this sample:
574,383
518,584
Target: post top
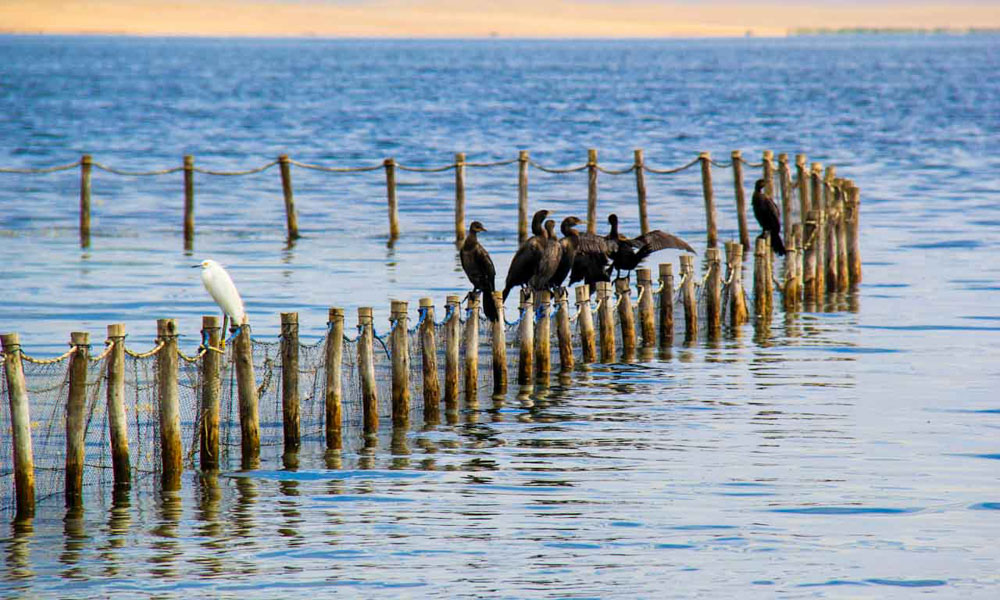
398,305
800,159
522,155
452,300
666,270
460,157
188,160
473,301
760,248
817,167
736,153
783,157
335,313
166,327
831,172
389,162
79,338
643,274
283,158
714,254
117,330
582,292
638,155
622,286
364,313
10,339
592,155
426,302
704,155
289,317
603,287
768,154
87,159
544,297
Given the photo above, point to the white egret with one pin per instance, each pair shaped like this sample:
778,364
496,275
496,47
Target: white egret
220,285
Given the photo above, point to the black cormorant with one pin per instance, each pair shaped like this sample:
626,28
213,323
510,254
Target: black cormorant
569,242
479,269
549,261
766,213
525,261
628,253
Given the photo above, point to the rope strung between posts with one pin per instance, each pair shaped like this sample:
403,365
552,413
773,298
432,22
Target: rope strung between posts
499,163
426,169
104,167
356,338
422,311
517,322
559,171
44,361
41,170
720,164
649,169
334,169
449,310
615,171
109,345
236,173
159,346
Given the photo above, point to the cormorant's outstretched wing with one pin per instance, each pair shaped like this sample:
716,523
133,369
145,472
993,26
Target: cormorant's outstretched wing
590,243
659,240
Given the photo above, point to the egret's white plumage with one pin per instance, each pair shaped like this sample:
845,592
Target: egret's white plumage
220,285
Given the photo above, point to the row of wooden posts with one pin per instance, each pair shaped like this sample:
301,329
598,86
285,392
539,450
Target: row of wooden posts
810,182
822,257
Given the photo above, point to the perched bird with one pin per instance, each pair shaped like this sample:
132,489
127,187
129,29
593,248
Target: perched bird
526,259
479,269
220,286
592,257
568,243
548,263
766,213
628,253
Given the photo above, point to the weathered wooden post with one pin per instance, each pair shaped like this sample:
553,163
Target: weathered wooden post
188,202
640,190
499,347
459,197
666,305
526,333
399,349
706,187
606,321
737,301
472,349
117,424
810,290
626,318
767,172
366,368
819,241
334,375
290,380
390,187
592,190
853,240
211,392
20,422
790,291
86,165
843,269
428,355
713,292
291,219
741,199
76,420
647,315
803,176
785,181
522,196
452,334
171,449
586,322
564,332
246,387
690,298
543,335
832,209
761,282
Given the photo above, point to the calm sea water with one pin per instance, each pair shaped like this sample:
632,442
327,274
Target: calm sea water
847,454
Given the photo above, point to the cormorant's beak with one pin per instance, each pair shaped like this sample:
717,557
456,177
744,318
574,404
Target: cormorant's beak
483,229
195,266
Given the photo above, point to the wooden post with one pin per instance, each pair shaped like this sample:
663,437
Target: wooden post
785,179
366,368
790,291
592,191
803,175
741,199
626,318
690,298
853,240
399,350
564,332
713,292
767,172
20,422
499,347
188,202
211,392
390,187
843,270
171,449
666,271
459,197
334,374
452,332
761,283
246,387
640,191
526,333
428,355
86,164
819,241
832,251
606,321
737,301
117,424
291,219
706,187
647,315
471,371
586,322
543,335
522,196
290,380
808,245
76,420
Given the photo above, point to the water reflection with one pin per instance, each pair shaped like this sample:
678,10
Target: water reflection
18,554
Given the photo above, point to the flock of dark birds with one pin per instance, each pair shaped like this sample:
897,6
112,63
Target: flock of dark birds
544,261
